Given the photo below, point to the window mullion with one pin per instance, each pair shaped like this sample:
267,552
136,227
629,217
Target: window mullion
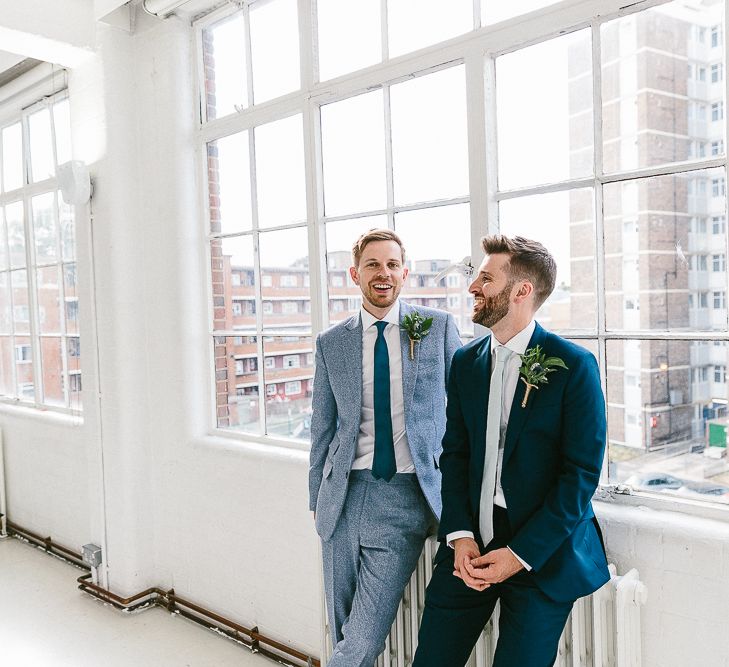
249,51
384,37
33,316
387,110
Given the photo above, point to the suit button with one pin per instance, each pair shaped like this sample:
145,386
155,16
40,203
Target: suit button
346,474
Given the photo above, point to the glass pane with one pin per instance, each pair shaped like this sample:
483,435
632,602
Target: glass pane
45,231
565,223
62,127
3,238
412,26
285,280
589,344
663,263
353,143
68,229
49,312
345,298
7,359
5,319
429,146
41,145
428,252
662,101
280,172
52,371
493,11
224,62
73,353
16,233
350,36
12,157
71,297
667,403
544,112
289,374
25,383
21,309
229,187
236,383
234,303
274,49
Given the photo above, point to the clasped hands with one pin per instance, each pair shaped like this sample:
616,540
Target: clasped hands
479,572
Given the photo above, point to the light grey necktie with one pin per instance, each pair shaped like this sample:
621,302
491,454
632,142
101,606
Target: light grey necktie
493,435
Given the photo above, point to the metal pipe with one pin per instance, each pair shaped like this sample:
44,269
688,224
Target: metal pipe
48,544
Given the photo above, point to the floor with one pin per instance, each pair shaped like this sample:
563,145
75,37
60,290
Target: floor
47,622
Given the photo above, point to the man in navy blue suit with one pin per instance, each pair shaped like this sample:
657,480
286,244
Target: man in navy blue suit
518,476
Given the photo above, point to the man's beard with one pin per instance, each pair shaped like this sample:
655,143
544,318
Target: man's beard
494,308
381,300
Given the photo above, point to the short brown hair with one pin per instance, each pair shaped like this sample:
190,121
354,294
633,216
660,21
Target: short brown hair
374,235
528,260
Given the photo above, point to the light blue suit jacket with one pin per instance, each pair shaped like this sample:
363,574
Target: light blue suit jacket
337,409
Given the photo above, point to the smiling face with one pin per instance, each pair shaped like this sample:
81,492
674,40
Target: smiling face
492,289
380,276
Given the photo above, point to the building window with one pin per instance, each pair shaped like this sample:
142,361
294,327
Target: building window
270,363
716,73
717,111
237,309
289,307
703,299
38,284
718,224
702,73
715,36
717,147
291,361
266,280
235,279
718,187
288,280
239,370
337,281
270,390
720,374
268,307
719,300
292,388
718,262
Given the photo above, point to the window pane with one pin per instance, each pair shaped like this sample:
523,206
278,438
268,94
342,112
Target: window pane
21,309
44,228
236,383
589,344
274,49
349,36
353,153
429,145
49,312
25,387
5,315
428,252
656,110
665,408
68,229
3,239
41,145
659,268
52,371
12,157
412,26
229,188
16,233
284,280
493,11
7,360
62,127
71,297
565,223
345,298
232,274
280,172
224,61
289,373
544,112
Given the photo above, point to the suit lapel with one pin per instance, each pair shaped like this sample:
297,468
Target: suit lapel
409,366
518,415
352,359
482,386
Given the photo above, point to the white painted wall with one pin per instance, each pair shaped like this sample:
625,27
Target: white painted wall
224,522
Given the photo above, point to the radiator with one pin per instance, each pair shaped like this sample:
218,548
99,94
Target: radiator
603,629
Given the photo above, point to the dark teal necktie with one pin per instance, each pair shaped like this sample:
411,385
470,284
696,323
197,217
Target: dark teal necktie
383,465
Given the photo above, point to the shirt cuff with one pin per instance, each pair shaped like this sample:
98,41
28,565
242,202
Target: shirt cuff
526,565
452,537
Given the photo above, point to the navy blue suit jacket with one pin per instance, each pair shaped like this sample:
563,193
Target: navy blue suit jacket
553,455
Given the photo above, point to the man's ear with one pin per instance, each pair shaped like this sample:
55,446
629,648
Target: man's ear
526,289
354,275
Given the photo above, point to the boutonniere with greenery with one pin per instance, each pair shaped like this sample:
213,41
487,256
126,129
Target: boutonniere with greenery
535,365
417,328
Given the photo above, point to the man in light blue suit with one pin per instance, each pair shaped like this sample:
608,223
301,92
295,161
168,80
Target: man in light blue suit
521,462
377,423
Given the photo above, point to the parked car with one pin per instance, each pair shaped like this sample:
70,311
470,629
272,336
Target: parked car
704,490
654,481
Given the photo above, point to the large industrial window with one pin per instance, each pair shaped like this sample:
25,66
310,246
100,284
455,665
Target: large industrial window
589,126
40,351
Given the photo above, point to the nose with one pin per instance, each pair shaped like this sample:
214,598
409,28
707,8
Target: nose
473,288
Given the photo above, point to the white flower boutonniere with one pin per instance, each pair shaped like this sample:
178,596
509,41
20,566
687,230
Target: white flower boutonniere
535,365
417,327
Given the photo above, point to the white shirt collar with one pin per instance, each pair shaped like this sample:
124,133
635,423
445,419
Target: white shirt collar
392,317
519,342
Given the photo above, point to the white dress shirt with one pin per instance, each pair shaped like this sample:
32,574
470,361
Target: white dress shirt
518,345
365,452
